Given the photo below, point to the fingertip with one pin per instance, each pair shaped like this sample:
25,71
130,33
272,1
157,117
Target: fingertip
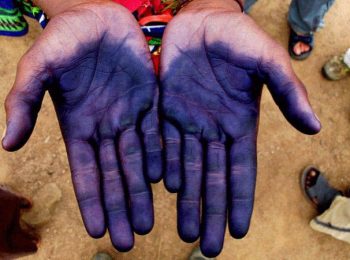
120,231
212,239
142,216
143,226
239,228
122,242
124,247
154,171
17,134
4,133
96,231
315,126
238,234
188,226
172,183
240,216
188,234
4,141
210,249
155,178
172,176
172,188
25,203
4,144
9,145
307,123
95,225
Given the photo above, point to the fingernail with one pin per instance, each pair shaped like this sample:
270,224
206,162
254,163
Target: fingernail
317,117
4,133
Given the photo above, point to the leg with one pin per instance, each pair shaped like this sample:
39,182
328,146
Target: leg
317,189
305,16
335,221
248,4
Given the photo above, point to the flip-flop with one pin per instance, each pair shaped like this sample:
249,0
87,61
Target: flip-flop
317,189
294,38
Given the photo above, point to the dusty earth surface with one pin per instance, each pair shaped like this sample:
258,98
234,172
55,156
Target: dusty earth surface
279,227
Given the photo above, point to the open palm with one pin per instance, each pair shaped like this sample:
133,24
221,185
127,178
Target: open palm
94,62
213,70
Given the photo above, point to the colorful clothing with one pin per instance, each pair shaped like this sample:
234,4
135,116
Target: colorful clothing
12,22
305,16
153,16
335,221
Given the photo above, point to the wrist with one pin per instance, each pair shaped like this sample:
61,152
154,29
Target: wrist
55,7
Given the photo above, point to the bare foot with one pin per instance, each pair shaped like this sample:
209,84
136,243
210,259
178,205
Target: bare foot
317,188
301,48
14,241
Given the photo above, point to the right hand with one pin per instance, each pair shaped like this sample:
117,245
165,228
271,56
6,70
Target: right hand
215,60
94,61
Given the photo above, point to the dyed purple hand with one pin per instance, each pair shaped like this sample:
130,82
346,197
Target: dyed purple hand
95,63
215,61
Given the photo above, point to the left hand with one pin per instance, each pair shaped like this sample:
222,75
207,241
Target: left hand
215,60
94,61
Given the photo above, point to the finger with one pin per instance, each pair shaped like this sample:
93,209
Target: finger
86,181
152,144
189,196
172,139
22,242
214,215
242,185
119,227
23,104
139,192
290,95
24,203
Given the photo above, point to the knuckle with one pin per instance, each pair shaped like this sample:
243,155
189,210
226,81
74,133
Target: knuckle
87,199
139,193
132,153
115,205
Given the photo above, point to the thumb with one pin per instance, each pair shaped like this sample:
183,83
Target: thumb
289,93
23,102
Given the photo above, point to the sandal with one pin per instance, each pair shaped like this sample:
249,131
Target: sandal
294,38
317,189
338,67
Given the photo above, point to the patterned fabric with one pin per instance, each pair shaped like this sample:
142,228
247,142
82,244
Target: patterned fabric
12,22
153,16
27,8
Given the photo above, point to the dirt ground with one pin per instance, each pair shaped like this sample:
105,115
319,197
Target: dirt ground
279,227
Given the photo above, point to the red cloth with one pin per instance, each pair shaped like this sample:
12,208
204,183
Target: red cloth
132,5
147,9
